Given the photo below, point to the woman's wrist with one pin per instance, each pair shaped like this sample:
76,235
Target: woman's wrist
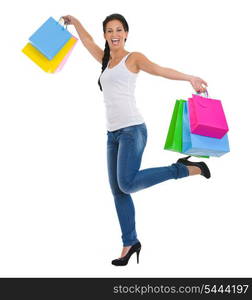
189,78
75,21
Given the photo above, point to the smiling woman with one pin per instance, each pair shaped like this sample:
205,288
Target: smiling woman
126,129
115,29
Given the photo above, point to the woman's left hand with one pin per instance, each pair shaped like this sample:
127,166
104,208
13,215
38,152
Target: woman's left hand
198,84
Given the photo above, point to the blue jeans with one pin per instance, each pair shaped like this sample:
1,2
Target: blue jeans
125,148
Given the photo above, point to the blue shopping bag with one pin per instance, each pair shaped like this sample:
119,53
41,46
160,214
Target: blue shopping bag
50,38
195,144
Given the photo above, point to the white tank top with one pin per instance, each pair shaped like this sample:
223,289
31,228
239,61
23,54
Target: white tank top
118,86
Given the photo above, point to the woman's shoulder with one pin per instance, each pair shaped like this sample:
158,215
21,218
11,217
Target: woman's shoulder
136,54
137,57
132,61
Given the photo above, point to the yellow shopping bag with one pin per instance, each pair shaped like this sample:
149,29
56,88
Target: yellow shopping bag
49,66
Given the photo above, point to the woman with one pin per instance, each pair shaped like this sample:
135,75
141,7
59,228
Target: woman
126,129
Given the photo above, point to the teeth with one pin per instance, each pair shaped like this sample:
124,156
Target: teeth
115,41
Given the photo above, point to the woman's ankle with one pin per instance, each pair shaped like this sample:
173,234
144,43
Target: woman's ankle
193,170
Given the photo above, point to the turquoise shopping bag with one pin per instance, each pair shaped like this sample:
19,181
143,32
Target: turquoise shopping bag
195,144
50,38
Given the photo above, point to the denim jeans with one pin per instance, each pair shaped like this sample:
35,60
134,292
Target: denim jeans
125,148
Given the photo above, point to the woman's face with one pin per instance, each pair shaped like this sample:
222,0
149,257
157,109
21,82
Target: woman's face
115,34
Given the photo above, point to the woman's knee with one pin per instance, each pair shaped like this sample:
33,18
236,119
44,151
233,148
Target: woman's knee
125,187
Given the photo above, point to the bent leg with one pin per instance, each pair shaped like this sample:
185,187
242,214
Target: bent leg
132,142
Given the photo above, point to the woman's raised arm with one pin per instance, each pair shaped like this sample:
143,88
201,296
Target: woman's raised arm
85,37
144,64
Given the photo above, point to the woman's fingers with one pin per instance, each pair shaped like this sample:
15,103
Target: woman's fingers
64,18
204,82
67,19
199,84
203,85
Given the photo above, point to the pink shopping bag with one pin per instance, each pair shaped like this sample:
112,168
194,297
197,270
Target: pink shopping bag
207,117
66,57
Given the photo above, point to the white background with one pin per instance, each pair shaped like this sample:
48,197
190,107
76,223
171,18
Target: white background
57,215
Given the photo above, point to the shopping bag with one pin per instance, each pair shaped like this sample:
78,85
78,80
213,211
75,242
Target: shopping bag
194,144
66,57
207,117
43,62
174,137
50,37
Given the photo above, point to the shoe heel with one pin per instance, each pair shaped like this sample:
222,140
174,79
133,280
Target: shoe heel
138,252
187,157
205,170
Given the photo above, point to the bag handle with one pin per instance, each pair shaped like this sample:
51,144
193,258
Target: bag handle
63,23
205,93
200,102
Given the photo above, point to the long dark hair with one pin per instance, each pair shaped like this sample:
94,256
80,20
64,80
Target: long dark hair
106,55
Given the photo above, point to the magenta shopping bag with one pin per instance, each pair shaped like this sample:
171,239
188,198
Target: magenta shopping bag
207,117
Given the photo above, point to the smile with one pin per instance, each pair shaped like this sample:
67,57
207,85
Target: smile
115,41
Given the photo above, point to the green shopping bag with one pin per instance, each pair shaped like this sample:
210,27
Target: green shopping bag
175,132
174,137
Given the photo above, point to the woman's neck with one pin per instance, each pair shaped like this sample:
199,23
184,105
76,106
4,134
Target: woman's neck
115,55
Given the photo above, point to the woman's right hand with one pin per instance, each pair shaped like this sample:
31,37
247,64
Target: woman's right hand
69,20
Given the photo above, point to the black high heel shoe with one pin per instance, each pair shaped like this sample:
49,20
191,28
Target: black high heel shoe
203,167
123,261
